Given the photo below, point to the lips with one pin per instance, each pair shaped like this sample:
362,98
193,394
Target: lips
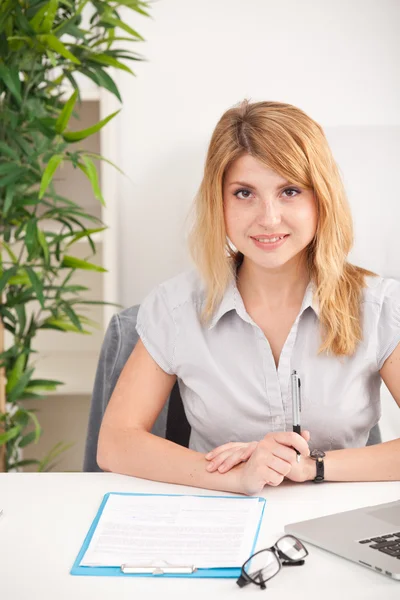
269,238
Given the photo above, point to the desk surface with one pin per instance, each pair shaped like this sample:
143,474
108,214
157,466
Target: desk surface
46,517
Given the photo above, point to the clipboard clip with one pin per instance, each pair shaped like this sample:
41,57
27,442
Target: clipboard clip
158,569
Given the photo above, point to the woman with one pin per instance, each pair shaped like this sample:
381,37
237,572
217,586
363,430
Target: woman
272,292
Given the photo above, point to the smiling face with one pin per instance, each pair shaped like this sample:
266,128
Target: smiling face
268,219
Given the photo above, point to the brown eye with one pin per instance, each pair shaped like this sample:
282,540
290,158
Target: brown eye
245,194
292,192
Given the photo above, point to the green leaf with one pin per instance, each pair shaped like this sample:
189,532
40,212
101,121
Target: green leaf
46,385
48,174
20,386
99,157
50,16
4,279
91,173
66,113
38,18
60,325
20,279
9,435
46,464
28,439
21,417
43,243
36,284
13,175
101,78
86,233
21,314
76,136
9,252
134,5
31,241
57,46
38,429
72,316
104,59
16,373
10,77
76,263
10,152
10,190
121,25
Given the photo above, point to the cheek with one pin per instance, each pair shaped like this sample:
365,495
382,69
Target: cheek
234,219
307,217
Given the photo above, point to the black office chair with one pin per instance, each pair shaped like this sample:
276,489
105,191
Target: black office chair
172,424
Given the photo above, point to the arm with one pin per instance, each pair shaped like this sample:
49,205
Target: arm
372,463
125,444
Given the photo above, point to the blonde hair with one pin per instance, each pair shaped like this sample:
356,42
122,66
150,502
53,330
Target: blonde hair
285,139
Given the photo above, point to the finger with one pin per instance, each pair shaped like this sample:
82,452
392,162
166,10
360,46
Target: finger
290,438
210,455
248,451
285,453
219,459
234,459
274,478
280,466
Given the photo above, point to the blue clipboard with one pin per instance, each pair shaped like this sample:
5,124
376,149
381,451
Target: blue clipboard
77,569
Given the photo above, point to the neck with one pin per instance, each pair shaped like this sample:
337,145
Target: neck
273,288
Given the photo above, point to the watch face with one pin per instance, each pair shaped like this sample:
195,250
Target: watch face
317,454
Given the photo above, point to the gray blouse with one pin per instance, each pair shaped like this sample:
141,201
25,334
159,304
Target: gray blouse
230,386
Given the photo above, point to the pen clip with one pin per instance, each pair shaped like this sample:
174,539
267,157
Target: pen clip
298,379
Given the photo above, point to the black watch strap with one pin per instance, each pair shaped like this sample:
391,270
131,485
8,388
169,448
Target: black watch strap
320,470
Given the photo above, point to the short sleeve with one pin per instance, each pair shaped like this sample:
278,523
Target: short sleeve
389,322
156,328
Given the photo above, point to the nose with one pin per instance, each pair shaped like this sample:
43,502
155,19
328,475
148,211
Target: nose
269,213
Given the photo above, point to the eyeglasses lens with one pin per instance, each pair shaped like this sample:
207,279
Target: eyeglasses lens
292,548
263,565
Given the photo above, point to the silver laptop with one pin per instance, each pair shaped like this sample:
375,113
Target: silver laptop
369,536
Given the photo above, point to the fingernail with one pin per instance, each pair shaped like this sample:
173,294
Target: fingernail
209,455
210,466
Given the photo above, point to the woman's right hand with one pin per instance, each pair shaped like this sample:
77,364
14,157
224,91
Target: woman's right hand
271,460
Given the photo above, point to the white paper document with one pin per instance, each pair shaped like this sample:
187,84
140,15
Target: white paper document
205,532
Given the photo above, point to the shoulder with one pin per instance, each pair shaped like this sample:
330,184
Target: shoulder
380,290
186,288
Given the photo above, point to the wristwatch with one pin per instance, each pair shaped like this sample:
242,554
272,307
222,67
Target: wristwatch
318,456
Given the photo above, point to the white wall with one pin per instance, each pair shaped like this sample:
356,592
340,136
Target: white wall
337,60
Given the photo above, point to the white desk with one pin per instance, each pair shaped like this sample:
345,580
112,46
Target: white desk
46,517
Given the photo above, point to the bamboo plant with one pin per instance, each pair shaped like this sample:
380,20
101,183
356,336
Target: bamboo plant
43,45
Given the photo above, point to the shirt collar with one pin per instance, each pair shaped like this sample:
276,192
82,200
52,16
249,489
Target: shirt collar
232,300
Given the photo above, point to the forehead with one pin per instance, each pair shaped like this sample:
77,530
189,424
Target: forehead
248,169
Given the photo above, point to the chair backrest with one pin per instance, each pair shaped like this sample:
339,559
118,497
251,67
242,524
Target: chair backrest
119,341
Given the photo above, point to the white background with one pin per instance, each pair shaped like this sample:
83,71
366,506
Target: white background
338,61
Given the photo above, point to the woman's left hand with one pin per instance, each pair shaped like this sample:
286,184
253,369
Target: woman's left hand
225,457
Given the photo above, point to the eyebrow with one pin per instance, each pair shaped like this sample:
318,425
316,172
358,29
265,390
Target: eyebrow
252,187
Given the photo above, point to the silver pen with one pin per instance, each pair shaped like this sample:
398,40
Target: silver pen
296,406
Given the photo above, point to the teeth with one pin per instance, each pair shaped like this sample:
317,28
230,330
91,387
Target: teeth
270,240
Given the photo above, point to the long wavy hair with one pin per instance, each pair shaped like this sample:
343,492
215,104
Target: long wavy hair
288,141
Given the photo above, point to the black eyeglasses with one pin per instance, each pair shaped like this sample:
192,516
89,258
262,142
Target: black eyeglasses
265,564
